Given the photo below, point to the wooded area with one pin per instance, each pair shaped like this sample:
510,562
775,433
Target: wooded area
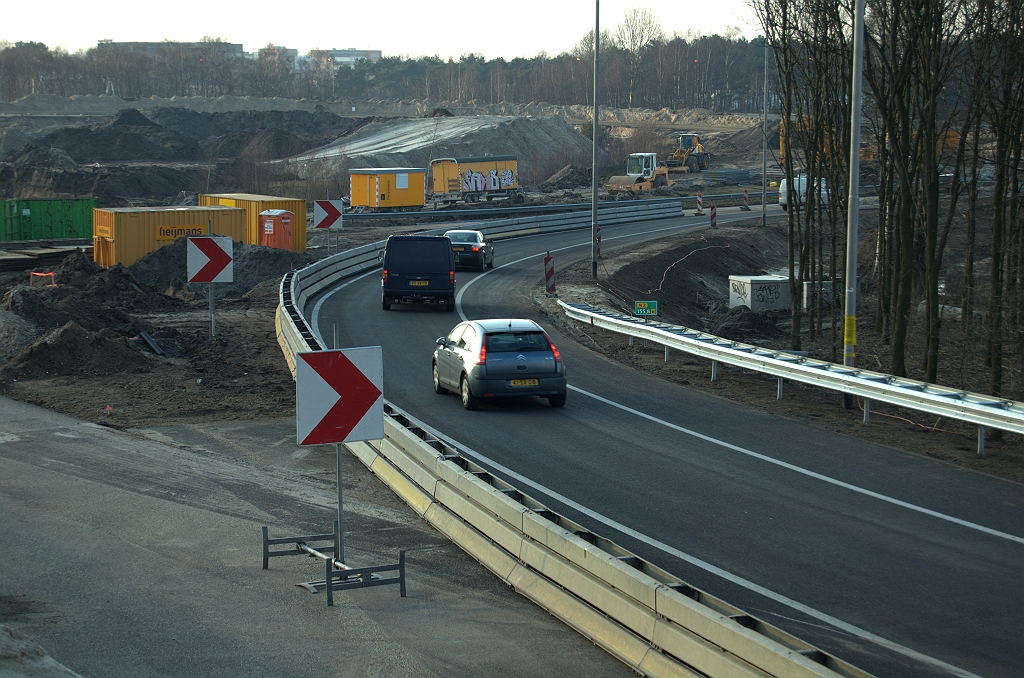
640,67
944,110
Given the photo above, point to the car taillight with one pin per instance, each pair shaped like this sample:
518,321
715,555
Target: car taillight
558,356
385,275
482,358
475,248
451,277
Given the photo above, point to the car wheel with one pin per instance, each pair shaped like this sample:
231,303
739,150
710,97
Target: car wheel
483,262
438,389
469,401
384,303
449,305
490,264
557,400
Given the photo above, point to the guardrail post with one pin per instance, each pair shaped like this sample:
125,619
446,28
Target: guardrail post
867,410
631,341
714,370
778,394
666,353
981,441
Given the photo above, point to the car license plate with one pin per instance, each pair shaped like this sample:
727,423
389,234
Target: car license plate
458,249
419,283
523,382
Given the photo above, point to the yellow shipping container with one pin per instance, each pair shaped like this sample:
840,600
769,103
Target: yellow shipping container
124,235
471,179
254,204
391,187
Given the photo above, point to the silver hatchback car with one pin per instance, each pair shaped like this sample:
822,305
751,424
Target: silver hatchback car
496,358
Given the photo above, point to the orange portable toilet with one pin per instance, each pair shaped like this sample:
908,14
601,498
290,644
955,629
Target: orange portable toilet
276,229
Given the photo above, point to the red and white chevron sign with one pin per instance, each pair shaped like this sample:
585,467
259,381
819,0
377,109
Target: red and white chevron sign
339,396
209,260
327,213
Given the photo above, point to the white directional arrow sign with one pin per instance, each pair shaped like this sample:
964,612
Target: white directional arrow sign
327,213
339,396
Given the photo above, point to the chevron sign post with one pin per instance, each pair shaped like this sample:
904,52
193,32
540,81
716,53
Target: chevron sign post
210,260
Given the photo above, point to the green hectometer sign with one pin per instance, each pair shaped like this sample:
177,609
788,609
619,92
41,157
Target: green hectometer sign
645,308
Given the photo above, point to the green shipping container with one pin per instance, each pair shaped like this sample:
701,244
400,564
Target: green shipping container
47,219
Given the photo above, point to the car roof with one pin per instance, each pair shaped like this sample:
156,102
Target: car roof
462,230
507,324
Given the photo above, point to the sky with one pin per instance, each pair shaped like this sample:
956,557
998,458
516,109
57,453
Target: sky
519,28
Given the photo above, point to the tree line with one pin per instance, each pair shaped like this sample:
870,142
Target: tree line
640,67
944,110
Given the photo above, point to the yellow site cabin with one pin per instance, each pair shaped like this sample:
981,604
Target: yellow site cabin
387,188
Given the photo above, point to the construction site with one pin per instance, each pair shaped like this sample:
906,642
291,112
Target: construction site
167,152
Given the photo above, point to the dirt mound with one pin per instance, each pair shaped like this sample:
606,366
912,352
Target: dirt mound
15,334
117,140
74,350
191,124
112,186
440,113
747,326
129,117
253,265
569,176
751,138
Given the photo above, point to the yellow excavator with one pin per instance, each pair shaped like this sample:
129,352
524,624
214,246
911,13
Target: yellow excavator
642,174
690,156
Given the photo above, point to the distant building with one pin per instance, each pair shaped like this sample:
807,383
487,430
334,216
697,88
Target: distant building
280,55
336,58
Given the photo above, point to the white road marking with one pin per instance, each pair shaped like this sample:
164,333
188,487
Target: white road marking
803,471
706,566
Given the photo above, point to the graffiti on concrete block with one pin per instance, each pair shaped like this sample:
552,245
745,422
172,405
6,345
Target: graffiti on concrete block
768,294
740,292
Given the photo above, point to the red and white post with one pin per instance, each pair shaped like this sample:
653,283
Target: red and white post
549,273
746,200
700,204
714,215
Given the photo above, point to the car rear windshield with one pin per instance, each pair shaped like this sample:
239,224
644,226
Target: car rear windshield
500,342
419,256
462,237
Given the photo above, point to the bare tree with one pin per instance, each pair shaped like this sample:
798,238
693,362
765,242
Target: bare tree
638,30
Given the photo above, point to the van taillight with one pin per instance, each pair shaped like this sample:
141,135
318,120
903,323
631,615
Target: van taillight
558,356
451,277
482,358
385,275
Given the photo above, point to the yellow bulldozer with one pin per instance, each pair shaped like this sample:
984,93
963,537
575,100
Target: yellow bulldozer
643,173
689,156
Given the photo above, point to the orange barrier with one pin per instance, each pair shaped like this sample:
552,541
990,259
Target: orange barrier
33,275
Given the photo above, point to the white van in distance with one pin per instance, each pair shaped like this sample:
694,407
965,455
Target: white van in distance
800,182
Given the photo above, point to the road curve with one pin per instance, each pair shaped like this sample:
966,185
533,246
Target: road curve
901,565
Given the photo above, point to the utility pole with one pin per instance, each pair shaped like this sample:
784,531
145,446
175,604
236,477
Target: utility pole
764,145
853,210
593,167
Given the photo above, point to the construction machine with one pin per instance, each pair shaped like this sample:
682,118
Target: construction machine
690,155
643,173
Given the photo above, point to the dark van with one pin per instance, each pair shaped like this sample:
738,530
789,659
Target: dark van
418,269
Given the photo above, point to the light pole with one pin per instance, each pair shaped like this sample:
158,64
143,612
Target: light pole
593,167
853,209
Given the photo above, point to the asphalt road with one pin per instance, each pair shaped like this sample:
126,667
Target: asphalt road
898,564
140,554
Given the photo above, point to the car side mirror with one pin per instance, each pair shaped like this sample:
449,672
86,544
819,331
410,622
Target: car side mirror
442,341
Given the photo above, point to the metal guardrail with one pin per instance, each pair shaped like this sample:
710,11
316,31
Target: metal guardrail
603,206
641,614
648,618
984,411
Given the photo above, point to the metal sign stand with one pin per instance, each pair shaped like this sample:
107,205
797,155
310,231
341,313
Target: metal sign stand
337,575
